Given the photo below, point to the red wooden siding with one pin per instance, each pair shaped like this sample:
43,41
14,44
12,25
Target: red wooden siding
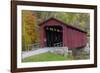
75,38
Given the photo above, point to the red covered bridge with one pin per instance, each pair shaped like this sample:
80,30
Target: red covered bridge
54,33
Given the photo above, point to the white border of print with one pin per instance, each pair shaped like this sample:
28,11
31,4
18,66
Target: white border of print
53,63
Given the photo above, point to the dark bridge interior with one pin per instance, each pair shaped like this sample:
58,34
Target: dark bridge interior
53,36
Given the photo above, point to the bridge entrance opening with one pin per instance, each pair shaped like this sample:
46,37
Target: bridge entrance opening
54,36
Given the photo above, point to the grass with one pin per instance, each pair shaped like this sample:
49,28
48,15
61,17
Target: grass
47,57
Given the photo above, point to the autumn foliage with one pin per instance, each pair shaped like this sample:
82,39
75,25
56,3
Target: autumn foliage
32,19
29,29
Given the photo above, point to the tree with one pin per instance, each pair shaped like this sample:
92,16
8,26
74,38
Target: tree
29,29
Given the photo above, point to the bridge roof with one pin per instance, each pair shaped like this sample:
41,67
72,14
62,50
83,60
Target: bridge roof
70,26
